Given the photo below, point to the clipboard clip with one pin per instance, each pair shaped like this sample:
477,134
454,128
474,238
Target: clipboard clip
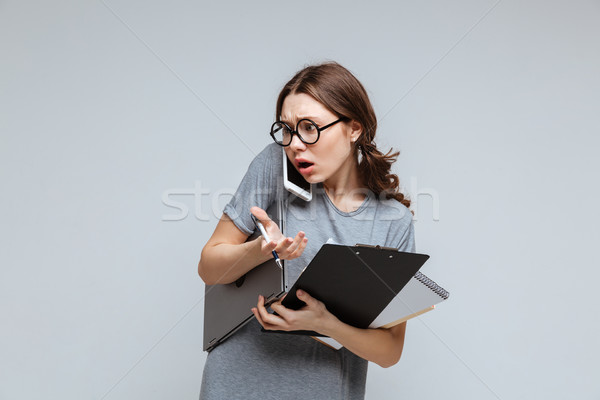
378,247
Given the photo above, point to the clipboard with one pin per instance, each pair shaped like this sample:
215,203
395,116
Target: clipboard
356,283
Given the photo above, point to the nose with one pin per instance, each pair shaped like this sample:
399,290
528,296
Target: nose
296,143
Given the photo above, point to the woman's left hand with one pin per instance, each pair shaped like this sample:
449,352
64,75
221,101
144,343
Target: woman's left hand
313,317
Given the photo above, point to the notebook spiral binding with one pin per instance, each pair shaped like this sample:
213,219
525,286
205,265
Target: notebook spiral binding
440,291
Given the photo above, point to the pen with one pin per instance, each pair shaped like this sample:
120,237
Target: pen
263,232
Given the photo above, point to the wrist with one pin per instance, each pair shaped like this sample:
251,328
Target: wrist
256,250
330,325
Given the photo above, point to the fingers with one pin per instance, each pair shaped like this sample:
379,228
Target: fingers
282,246
269,247
258,315
260,321
270,226
296,242
286,248
305,297
282,310
286,319
290,248
267,320
261,215
300,249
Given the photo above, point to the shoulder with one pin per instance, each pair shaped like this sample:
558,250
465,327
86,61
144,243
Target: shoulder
270,154
393,210
267,161
401,230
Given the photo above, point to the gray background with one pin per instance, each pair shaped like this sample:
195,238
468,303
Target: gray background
111,110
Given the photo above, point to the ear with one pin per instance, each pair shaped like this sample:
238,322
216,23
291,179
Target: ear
354,130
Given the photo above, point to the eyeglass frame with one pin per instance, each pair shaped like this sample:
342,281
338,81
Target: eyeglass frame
295,132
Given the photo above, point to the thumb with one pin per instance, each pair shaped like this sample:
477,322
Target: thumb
305,297
261,215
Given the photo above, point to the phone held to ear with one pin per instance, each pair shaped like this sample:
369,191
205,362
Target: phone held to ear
293,180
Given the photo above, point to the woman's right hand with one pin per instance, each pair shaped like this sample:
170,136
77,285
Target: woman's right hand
286,247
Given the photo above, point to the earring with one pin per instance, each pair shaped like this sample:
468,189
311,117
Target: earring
359,152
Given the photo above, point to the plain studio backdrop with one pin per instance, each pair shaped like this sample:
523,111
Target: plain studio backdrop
127,125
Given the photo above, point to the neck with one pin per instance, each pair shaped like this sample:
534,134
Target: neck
345,181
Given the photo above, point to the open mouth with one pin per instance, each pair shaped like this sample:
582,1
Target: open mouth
305,167
302,165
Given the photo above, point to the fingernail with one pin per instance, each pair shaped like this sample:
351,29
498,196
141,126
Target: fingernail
300,292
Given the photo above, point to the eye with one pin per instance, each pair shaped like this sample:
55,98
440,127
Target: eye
307,126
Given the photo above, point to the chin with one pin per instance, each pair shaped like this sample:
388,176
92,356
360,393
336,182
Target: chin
312,179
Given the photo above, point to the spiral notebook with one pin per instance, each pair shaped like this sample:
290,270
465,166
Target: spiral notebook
418,296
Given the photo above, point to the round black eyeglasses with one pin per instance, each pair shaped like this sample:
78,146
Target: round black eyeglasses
308,131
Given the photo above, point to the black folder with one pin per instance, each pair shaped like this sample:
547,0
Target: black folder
355,283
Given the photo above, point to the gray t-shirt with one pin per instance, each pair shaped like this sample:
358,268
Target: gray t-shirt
255,365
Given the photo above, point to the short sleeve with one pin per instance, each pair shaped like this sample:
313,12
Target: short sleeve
257,188
404,233
407,242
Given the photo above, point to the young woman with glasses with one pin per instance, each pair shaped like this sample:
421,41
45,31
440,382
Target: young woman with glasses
325,123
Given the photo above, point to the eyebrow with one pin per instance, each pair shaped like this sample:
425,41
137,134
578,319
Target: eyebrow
311,117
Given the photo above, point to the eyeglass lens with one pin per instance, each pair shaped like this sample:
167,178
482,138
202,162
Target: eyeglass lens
306,129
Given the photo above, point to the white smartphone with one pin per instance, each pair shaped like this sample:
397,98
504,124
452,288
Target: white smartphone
293,180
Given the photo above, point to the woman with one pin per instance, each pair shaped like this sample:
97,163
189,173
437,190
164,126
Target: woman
326,126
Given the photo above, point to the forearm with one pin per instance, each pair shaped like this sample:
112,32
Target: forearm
225,263
381,346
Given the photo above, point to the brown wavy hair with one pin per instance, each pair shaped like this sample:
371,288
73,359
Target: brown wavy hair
341,93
